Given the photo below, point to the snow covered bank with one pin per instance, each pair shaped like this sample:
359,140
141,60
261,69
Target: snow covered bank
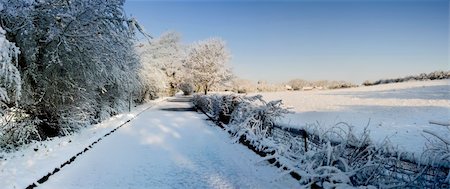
25,166
399,111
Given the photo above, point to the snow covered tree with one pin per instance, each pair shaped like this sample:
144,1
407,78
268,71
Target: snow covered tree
77,63
10,81
264,86
161,63
243,85
206,63
298,84
187,88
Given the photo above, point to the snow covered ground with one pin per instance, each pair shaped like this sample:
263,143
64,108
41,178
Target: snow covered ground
158,149
399,111
21,168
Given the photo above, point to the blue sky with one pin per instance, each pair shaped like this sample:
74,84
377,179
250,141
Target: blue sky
335,39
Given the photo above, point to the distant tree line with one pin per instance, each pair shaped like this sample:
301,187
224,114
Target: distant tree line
240,85
299,84
436,75
247,86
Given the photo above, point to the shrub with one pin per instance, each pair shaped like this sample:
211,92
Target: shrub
16,129
241,91
187,88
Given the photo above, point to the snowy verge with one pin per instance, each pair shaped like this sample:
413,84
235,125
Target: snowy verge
21,168
332,158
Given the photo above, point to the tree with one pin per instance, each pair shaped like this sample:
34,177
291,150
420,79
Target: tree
10,80
78,64
161,63
243,85
298,84
187,88
206,64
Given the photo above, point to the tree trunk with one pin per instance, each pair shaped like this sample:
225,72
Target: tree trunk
172,89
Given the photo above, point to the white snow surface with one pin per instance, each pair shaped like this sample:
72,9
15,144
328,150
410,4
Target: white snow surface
158,149
398,112
25,166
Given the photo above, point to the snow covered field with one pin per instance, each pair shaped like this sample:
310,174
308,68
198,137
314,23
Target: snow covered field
158,149
399,111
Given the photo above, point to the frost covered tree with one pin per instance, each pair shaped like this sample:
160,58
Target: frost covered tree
243,85
10,81
264,86
77,59
206,63
161,63
298,84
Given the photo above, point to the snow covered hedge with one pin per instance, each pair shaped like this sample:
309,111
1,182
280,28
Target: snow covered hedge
328,159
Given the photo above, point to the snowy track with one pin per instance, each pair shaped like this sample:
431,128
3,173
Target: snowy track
163,148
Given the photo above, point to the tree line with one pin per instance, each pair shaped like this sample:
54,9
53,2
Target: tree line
240,85
247,86
436,75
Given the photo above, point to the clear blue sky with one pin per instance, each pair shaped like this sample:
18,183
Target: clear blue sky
335,39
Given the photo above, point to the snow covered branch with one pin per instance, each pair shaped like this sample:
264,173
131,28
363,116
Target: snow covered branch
10,80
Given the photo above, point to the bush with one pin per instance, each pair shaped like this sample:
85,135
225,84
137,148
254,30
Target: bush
241,91
187,88
16,129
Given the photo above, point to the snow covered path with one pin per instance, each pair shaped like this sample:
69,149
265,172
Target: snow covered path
163,148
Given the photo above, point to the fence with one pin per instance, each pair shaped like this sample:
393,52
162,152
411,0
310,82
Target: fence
402,169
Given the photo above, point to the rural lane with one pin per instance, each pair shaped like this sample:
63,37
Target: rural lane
169,147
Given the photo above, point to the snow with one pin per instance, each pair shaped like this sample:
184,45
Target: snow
158,149
21,168
179,149
399,111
